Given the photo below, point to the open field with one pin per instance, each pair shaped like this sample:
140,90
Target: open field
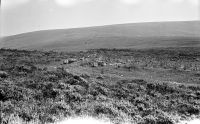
136,35
143,86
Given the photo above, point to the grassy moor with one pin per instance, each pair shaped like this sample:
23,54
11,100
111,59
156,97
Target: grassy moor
142,86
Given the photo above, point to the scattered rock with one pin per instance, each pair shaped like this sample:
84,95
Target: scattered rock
100,77
69,61
101,63
94,64
98,64
65,61
82,59
116,65
3,74
85,76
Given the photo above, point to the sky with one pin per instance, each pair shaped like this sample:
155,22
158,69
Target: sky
19,16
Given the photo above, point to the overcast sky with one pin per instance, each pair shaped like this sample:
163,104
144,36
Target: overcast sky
18,16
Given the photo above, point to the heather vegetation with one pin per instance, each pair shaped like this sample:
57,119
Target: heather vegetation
40,87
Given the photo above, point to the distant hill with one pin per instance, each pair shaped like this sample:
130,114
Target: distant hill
135,35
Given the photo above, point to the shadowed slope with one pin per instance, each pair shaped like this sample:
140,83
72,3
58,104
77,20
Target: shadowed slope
138,35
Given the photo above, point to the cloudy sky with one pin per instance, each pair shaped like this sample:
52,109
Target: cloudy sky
18,16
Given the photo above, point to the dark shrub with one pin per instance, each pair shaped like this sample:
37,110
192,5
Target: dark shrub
25,116
149,120
139,81
102,109
164,120
188,109
73,97
3,96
